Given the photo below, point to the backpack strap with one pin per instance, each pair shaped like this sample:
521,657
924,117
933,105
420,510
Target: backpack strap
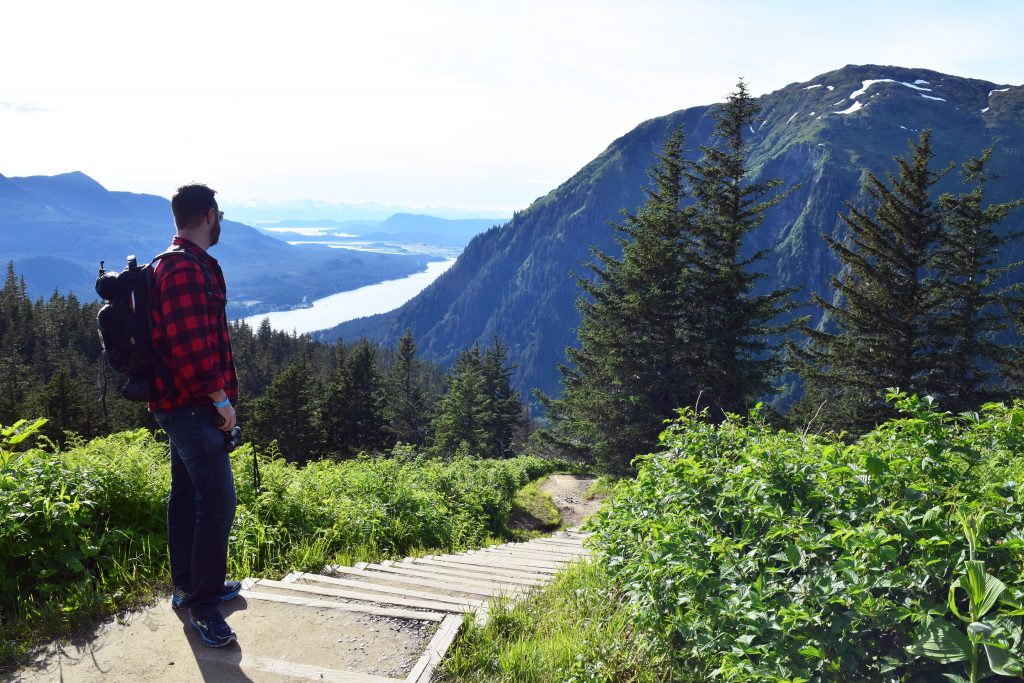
202,266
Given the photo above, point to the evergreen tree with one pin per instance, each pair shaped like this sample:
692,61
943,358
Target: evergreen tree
737,333
501,408
970,306
353,410
286,412
407,397
458,426
885,300
675,322
633,366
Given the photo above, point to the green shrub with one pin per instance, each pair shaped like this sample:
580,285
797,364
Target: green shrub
748,554
83,531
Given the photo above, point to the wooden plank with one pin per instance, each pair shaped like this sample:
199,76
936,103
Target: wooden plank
574,548
576,542
465,562
522,558
533,555
479,582
434,570
529,577
351,583
547,550
436,649
365,596
344,607
500,563
523,554
514,562
414,581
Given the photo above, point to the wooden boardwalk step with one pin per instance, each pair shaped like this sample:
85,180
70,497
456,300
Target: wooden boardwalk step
437,588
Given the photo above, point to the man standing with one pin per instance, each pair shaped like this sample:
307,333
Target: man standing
195,388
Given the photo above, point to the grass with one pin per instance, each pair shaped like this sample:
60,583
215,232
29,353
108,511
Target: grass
574,630
534,509
603,487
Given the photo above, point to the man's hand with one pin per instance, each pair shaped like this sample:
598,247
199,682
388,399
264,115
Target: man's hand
227,413
227,418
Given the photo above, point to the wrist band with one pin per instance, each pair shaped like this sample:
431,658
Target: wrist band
222,404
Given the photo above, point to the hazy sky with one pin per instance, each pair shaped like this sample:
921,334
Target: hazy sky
478,103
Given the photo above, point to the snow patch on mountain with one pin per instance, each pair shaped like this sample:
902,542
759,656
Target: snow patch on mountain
854,107
991,92
816,85
867,84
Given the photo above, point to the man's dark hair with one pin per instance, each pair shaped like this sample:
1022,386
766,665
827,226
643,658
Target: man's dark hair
190,203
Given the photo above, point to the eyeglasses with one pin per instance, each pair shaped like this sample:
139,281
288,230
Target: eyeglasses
220,215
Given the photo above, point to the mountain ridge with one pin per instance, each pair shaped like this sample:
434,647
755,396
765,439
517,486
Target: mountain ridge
517,281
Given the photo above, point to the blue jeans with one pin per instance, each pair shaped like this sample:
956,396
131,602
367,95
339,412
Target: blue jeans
201,506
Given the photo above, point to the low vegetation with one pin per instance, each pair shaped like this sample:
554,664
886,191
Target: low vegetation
745,553
83,528
576,629
534,509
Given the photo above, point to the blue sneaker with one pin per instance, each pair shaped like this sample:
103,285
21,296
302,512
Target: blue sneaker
212,628
230,592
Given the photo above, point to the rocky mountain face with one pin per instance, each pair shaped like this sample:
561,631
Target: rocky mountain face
519,281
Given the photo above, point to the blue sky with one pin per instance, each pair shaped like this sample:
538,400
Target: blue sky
482,104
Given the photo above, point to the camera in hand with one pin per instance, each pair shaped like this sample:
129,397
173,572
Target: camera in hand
233,438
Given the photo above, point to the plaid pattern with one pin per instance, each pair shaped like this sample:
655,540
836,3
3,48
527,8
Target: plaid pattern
190,332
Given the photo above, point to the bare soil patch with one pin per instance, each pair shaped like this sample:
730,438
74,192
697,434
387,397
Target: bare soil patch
569,493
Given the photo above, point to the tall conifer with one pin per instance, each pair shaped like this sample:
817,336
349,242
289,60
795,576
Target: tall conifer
877,330
406,396
971,314
738,332
633,366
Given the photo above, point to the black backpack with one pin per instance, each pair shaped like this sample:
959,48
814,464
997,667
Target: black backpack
124,325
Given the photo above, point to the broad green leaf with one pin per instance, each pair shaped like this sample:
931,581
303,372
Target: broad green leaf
875,465
985,588
1003,662
942,642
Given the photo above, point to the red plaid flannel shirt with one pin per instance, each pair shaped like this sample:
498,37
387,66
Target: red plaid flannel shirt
190,332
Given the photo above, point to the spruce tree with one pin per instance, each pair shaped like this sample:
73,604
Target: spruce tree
971,308
286,412
737,333
633,366
501,407
353,410
458,428
877,330
407,399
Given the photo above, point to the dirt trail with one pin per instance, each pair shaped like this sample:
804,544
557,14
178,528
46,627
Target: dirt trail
569,491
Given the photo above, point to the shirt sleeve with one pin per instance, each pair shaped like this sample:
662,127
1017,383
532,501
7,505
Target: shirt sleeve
190,329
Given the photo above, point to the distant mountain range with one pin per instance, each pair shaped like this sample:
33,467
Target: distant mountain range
399,227
56,229
519,281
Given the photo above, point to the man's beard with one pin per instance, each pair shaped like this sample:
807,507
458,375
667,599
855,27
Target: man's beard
215,233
